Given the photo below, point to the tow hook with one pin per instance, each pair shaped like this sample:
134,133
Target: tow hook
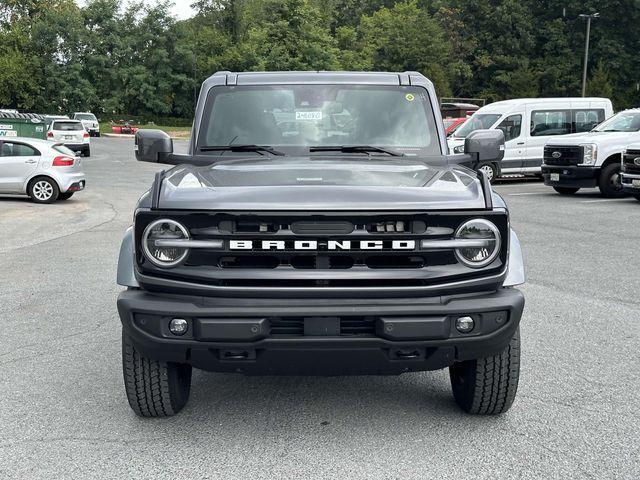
237,355
408,354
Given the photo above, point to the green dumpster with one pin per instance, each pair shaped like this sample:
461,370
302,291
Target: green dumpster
22,125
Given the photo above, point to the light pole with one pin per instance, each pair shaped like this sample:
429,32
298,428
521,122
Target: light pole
588,16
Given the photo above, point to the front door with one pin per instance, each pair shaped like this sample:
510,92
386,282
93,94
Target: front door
513,143
17,162
544,125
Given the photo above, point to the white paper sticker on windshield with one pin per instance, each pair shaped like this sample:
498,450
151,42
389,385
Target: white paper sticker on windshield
306,115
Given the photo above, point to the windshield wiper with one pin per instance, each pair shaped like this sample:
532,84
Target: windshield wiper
355,149
241,148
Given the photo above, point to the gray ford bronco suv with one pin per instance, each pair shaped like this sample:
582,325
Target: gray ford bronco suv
318,225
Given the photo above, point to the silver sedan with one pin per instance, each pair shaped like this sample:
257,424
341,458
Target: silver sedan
45,171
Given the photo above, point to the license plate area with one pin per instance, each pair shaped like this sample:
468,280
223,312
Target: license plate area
555,177
635,183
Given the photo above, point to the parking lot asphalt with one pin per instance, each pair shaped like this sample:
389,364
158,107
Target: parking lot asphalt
63,411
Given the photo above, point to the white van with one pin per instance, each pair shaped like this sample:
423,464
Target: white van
545,118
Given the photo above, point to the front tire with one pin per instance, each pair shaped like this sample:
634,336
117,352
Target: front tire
566,190
487,386
489,169
609,182
154,389
43,190
65,195
637,197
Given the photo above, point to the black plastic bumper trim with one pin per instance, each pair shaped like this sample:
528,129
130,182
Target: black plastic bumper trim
571,176
321,354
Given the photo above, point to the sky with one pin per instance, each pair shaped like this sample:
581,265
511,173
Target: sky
181,8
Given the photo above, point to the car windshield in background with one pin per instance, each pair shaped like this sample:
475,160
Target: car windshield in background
294,118
67,126
479,121
86,116
64,150
622,122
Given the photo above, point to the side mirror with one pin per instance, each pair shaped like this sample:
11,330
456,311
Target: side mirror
485,145
152,146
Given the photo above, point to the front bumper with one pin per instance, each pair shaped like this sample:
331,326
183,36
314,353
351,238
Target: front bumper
261,336
78,147
571,176
630,183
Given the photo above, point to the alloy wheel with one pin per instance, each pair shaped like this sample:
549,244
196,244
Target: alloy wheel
614,181
42,190
488,171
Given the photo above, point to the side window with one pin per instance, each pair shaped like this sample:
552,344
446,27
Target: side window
584,120
550,122
511,127
10,149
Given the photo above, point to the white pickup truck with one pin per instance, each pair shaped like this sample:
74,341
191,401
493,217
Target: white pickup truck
630,170
89,122
591,159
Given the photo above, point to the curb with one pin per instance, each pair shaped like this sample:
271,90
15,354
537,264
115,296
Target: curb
117,135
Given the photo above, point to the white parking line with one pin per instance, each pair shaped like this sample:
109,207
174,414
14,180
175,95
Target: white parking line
527,193
521,185
603,200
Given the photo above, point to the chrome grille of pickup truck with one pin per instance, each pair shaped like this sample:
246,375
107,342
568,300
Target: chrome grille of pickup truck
629,160
284,266
562,155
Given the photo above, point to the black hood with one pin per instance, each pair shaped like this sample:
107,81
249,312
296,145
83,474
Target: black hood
321,184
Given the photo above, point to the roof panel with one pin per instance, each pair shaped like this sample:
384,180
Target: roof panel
369,78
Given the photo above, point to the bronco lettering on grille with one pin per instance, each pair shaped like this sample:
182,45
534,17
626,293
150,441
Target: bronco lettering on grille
322,245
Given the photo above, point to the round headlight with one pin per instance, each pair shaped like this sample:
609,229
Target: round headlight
481,255
155,233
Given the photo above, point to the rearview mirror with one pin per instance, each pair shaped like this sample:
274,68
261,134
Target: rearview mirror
152,146
485,145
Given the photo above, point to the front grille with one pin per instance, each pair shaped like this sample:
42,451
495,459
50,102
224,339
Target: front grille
287,326
349,326
561,155
629,160
284,268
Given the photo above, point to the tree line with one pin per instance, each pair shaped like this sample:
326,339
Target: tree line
56,56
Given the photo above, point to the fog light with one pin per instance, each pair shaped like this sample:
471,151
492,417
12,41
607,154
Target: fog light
465,324
178,326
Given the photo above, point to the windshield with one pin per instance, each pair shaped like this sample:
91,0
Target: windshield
478,121
622,122
67,126
64,150
85,116
293,118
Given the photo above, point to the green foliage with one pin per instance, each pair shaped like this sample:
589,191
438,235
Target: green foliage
406,37
291,37
599,84
56,56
